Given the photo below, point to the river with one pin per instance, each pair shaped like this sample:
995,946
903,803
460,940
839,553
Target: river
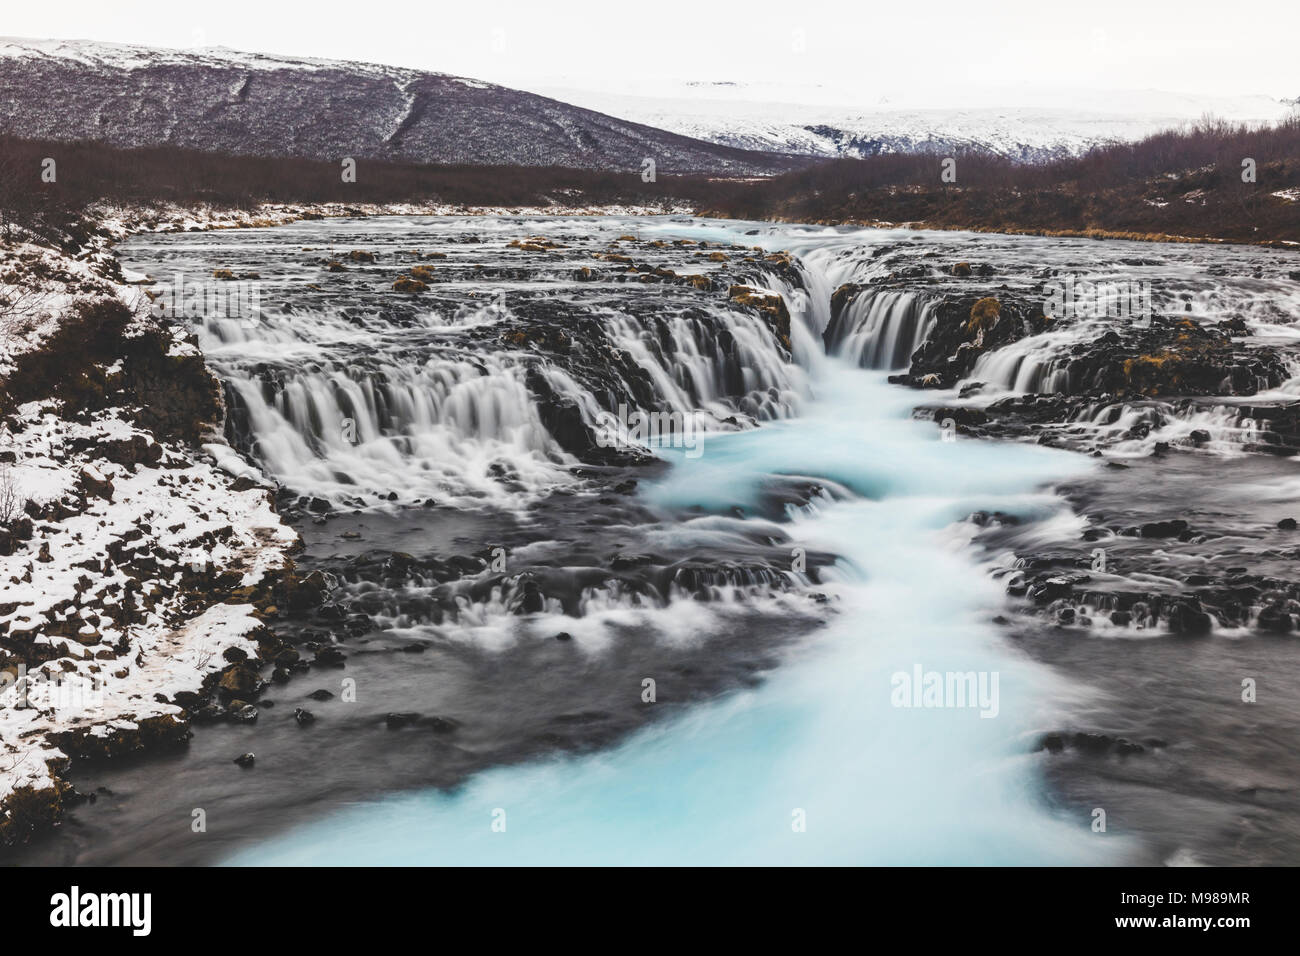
559,652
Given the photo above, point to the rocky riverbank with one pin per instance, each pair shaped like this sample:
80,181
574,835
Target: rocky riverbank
135,573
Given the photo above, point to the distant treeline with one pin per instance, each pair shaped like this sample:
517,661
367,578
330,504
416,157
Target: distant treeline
1215,180
87,171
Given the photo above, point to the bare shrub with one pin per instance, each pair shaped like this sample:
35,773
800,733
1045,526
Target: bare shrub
11,503
20,308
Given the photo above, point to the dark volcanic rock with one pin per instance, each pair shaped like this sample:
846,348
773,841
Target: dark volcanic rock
395,721
1274,618
1186,617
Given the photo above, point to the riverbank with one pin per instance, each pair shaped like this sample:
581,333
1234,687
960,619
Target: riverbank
135,571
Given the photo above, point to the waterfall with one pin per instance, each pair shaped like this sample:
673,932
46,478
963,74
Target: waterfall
881,328
1132,429
1033,364
427,430
778,677
717,782
729,362
355,408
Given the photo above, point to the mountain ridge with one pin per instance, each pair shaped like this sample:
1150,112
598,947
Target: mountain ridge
260,104
828,123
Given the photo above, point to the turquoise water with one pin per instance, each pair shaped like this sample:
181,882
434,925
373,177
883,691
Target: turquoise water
817,765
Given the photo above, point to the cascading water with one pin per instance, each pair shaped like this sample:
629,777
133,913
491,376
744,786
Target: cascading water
357,408
430,430
822,736
1032,364
353,409
780,731
878,783
882,329
694,371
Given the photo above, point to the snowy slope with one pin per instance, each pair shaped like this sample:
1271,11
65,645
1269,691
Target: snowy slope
254,104
825,121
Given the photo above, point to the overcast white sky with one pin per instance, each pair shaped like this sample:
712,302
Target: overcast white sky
1196,46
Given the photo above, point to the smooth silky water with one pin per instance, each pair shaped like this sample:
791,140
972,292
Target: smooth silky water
726,782
775,737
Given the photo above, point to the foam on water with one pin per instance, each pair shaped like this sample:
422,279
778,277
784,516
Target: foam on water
722,783
439,409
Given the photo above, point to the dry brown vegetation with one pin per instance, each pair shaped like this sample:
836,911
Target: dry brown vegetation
1183,184
1175,184
89,172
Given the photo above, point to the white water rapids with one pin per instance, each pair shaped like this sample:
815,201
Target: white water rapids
823,762
821,739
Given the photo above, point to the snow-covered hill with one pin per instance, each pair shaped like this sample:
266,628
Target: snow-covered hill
823,121
254,104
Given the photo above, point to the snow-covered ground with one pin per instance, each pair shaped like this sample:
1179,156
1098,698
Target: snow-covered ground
124,56
111,536
99,594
